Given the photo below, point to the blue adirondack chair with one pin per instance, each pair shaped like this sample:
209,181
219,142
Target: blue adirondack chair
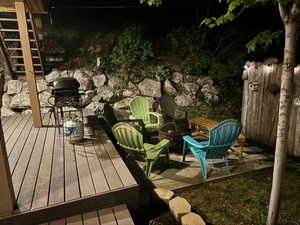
221,137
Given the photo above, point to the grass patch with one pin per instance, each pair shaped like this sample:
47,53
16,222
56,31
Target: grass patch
244,199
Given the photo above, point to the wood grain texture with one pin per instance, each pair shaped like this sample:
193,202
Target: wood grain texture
260,108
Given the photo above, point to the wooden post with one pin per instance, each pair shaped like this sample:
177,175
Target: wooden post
7,196
30,76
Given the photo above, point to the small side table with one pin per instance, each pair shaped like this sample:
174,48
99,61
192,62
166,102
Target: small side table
203,125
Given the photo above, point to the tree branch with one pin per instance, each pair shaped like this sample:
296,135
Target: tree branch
282,12
295,10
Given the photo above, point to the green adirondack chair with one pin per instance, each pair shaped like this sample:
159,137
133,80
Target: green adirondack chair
130,139
139,107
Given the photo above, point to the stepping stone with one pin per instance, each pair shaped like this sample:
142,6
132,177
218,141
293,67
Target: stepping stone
179,207
192,219
164,194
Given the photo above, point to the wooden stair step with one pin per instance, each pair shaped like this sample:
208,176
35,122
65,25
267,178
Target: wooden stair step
16,39
12,30
21,57
15,49
22,64
23,71
11,20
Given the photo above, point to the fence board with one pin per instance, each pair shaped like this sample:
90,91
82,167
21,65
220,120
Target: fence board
260,107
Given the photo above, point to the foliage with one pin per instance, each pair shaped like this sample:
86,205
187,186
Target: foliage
184,40
124,83
161,71
197,64
131,46
105,64
265,39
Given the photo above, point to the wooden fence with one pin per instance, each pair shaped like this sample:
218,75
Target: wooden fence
261,104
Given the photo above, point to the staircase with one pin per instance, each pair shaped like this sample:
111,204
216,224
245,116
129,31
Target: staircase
10,37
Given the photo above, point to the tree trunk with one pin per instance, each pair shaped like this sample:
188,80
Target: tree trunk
290,26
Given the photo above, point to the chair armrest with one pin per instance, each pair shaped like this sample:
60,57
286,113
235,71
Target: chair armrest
159,117
195,143
161,145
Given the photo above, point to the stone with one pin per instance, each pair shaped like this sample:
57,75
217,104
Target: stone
136,77
184,100
204,80
169,88
164,194
177,77
94,106
6,100
7,112
41,85
150,88
25,89
192,219
179,207
45,100
123,104
130,92
86,82
27,112
67,73
122,114
190,88
14,87
104,93
54,75
99,80
87,97
211,94
114,82
20,101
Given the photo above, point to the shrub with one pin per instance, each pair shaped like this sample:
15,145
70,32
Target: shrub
131,46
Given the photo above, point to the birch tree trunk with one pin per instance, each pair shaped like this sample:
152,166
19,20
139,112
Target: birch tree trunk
290,17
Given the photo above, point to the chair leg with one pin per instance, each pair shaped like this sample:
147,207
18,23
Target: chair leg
203,167
184,151
149,168
226,164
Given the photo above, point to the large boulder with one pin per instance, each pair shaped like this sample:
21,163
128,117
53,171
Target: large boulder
85,81
150,88
54,75
87,98
95,105
169,88
7,112
123,104
41,85
104,93
20,101
6,100
177,77
190,88
114,82
184,100
210,93
14,87
45,100
99,80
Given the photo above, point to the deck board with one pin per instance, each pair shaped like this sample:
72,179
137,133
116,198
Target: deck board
53,177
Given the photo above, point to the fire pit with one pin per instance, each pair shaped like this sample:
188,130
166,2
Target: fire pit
174,131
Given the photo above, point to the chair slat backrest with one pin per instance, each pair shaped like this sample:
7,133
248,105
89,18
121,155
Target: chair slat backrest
139,107
225,133
128,137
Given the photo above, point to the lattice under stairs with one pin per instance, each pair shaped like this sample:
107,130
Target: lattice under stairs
10,37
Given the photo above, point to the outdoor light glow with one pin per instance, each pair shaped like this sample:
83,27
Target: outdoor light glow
297,69
268,68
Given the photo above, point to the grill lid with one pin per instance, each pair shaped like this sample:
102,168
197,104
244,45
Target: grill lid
65,84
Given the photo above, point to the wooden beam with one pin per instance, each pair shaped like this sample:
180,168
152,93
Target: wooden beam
7,195
36,6
29,70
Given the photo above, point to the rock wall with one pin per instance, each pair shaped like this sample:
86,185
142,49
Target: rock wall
183,91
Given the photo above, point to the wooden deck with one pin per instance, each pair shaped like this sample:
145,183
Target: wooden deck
117,215
52,177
